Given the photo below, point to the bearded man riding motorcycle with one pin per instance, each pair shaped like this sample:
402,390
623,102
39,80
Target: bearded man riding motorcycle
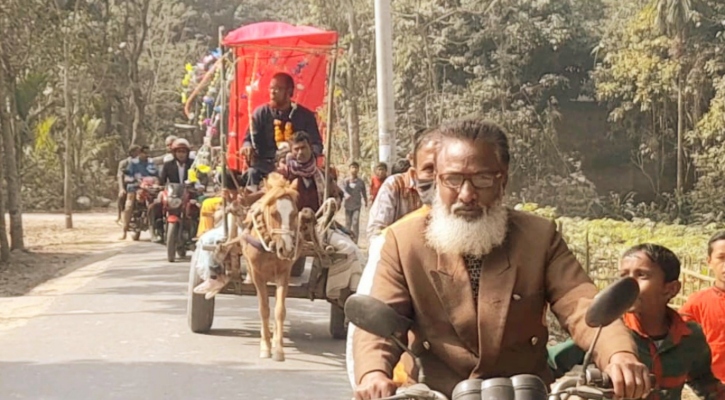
173,171
478,283
138,168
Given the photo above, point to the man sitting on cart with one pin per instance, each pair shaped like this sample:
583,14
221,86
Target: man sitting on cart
273,124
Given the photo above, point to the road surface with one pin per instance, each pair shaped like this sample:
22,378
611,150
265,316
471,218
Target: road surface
116,329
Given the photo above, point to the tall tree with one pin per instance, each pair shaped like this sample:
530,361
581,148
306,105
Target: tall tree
15,32
673,19
4,245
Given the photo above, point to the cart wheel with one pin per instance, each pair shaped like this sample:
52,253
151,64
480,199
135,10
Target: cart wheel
199,310
338,322
298,267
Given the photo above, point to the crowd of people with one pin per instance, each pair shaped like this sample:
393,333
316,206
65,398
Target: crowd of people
473,275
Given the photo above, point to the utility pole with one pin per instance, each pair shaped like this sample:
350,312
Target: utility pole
386,90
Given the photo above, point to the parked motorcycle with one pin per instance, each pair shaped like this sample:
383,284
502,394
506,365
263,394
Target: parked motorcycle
145,195
181,218
586,381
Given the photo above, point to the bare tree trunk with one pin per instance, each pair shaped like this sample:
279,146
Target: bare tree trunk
680,129
4,244
138,136
10,158
13,185
68,160
353,116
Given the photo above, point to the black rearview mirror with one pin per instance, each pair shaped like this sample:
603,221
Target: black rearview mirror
374,316
612,302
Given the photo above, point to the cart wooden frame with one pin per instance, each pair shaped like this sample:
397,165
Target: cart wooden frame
312,284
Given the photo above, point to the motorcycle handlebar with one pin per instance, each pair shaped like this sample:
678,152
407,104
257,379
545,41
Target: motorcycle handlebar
597,385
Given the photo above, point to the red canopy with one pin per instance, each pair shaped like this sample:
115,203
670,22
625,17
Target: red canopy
264,49
280,34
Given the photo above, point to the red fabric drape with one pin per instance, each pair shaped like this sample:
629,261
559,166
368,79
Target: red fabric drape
262,50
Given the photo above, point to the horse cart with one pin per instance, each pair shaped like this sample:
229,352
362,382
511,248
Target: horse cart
247,59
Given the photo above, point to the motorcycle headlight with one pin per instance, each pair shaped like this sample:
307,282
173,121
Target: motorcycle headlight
174,202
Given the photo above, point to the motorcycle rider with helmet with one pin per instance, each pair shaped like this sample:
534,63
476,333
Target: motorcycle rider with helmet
175,170
138,168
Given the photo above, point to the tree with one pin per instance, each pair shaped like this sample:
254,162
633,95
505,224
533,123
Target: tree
673,19
637,79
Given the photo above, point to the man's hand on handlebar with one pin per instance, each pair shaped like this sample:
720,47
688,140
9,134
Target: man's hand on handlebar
375,385
629,377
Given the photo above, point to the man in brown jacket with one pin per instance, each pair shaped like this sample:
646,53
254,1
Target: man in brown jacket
478,283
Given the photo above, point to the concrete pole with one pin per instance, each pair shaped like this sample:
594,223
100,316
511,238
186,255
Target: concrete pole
386,90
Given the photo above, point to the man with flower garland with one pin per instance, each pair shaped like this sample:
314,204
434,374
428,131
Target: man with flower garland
273,124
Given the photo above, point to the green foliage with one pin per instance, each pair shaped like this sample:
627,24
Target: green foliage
599,243
44,142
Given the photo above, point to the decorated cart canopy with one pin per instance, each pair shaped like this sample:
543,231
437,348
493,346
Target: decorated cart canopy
264,49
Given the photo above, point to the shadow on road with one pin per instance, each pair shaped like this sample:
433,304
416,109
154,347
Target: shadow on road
97,379
163,288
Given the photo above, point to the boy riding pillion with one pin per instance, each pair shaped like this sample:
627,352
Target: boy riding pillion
675,351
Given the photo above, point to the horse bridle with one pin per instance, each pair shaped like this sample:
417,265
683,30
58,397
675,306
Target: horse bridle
276,231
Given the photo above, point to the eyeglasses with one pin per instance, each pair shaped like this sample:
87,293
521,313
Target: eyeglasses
479,181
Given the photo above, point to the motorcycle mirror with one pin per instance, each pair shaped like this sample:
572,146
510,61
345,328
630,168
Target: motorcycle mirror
374,316
612,302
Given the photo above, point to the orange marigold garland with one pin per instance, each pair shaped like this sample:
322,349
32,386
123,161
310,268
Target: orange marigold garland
286,136
278,136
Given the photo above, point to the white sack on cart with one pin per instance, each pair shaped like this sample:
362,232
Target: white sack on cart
346,272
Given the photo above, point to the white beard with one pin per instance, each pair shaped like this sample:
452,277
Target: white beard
451,234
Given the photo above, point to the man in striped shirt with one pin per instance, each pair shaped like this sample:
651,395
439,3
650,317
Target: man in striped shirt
406,192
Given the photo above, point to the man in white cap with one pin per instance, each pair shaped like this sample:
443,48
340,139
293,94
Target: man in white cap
160,160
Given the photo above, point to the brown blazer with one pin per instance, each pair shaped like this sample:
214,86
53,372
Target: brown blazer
507,335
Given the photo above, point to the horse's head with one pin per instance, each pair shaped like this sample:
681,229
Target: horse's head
279,207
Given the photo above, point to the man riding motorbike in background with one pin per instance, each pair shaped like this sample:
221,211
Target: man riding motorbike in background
175,170
120,177
138,168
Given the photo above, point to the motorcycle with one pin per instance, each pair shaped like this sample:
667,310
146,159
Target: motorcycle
145,195
181,218
585,381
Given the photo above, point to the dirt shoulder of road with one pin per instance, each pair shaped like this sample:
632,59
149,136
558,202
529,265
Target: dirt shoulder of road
52,250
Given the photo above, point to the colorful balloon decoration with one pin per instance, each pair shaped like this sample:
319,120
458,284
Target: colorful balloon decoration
205,104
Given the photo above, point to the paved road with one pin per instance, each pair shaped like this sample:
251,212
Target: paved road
116,329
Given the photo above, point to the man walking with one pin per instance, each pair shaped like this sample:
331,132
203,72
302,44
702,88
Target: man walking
355,194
